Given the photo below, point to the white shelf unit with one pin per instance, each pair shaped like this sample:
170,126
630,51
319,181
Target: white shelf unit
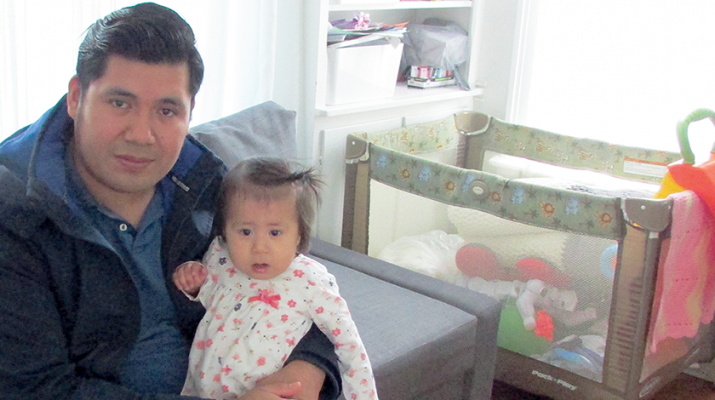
404,96
323,128
465,13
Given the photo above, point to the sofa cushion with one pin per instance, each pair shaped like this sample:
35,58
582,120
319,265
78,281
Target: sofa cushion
266,129
415,343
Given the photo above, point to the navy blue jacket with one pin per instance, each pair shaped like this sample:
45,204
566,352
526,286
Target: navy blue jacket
69,311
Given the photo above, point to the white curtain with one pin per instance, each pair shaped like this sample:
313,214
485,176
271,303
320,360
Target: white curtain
39,41
620,71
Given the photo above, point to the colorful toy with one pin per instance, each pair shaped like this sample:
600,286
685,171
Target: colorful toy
513,336
580,354
685,175
535,294
544,326
475,260
536,268
529,292
609,260
496,289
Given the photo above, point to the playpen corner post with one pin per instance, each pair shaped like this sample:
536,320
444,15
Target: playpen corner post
645,224
473,128
357,195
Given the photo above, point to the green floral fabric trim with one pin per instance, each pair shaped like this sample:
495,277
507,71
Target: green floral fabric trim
569,151
536,205
596,214
418,138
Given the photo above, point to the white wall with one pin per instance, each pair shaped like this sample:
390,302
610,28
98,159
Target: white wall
497,54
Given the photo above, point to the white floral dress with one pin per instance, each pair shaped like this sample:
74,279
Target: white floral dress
251,326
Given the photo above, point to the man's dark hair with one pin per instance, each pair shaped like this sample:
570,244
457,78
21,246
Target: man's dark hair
146,32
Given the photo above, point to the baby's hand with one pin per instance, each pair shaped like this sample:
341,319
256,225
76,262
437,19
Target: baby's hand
189,276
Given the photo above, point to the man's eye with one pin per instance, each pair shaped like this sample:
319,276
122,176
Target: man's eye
119,103
275,232
167,112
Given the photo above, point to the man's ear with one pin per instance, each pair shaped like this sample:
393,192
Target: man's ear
74,94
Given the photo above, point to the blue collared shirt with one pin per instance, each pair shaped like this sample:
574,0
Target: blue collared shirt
159,360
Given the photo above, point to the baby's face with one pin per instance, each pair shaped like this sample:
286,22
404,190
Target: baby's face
262,236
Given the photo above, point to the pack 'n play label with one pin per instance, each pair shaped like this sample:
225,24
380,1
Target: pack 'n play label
644,168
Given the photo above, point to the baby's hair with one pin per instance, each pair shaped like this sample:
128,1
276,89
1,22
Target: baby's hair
270,179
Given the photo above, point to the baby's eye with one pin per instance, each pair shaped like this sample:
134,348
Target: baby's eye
275,232
245,232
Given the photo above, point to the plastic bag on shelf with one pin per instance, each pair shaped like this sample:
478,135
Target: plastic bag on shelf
437,43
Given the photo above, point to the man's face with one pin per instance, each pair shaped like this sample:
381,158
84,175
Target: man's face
130,125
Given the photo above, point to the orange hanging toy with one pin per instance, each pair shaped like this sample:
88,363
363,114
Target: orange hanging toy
686,176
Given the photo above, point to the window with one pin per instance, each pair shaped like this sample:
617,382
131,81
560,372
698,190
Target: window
619,71
39,41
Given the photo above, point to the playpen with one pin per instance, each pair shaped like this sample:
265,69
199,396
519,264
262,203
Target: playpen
565,231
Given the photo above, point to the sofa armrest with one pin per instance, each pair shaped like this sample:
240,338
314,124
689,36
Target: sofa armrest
486,309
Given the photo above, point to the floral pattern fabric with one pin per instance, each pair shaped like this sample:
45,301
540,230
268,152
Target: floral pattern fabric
418,138
251,326
393,161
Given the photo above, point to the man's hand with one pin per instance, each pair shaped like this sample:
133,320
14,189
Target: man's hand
273,391
189,276
308,375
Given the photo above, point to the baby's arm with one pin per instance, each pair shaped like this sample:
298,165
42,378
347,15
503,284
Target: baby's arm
189,276
330,313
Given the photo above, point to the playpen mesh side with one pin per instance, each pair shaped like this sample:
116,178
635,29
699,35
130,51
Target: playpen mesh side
560,281
623,228
524,201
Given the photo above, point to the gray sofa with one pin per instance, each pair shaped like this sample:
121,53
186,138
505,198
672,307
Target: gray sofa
426,339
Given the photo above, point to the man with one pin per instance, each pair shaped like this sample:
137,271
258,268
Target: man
101,199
